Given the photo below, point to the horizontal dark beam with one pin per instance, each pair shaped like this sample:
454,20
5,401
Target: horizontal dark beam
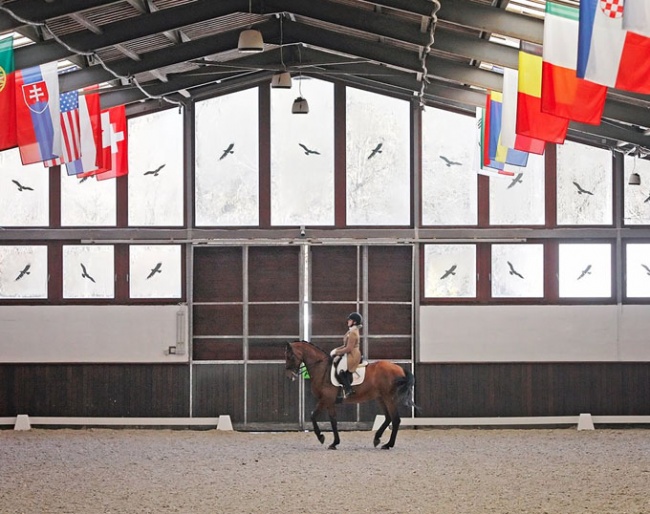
39,11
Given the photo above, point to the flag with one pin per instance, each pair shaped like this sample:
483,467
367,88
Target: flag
114,143
7,94
90,128
70,135
563,93
479,149
607,53
498,151
531,121
37,113
636,16
509,136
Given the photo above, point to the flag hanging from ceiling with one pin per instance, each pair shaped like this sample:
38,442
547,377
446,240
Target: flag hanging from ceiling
498,152
37,113
90,128
636,16
498,168
509,136
7,94
531,121
114,143
607,53
70,132
563,93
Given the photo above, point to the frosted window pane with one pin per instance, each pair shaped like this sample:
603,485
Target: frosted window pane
87,202
637,198
519,200
23,272
24,192
449,179
227,162
378,161
302,156
88,271
155,271
637,270
518,271
584,185
156,169
585,270
450,271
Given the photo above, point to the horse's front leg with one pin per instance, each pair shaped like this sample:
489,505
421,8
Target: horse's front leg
314,415
332,412
382,428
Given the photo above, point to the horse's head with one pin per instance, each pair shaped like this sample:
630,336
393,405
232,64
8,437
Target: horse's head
293,359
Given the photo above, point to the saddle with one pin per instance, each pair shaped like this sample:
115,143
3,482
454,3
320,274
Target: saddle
357,376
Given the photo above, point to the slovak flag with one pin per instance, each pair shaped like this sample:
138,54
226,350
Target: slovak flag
37,113
607,53
114,143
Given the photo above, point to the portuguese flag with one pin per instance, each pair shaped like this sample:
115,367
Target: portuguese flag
7,97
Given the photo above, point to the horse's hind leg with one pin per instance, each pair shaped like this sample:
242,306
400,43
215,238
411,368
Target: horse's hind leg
332,412
384,425
396,420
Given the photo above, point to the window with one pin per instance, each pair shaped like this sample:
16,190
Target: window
155,271
227,162
450,271
87,202
156,169
637,270
23,272
517,271
449,179
637,198
378,160
88,271
584,185
585,270
302,156
24,192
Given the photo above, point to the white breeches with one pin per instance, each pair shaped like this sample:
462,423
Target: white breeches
340,361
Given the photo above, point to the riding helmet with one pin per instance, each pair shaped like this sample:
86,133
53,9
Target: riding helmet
356,317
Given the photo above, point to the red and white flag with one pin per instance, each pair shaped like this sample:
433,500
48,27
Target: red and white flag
70,133
90,126
114,143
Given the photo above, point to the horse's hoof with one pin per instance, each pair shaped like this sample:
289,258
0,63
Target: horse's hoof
321,438
331,447
387,446
376,442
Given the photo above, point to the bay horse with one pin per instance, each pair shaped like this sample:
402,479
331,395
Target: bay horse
385,382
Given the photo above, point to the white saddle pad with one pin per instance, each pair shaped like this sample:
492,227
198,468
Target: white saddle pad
357,376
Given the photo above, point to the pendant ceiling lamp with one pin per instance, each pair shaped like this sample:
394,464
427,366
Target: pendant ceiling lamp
250,40
281,80
300,106
635,179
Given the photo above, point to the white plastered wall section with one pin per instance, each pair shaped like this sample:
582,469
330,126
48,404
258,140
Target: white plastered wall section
530,333
92,334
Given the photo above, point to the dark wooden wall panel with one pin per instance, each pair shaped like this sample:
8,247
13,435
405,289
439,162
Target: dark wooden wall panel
389,273
218,389
95,390
274,319
533,389
389,348
334,272
218,349
218,320
266,349
273,274
331,319
389,319
218,274
272,396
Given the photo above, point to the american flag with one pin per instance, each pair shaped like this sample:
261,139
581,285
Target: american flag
70,140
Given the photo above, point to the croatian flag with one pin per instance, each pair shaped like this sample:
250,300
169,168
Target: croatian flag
37,113
90,128
71,138
607,53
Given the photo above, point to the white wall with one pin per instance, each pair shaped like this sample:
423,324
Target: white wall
98,334
532,333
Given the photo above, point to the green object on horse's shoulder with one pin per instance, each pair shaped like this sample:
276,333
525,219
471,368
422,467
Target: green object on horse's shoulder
304,372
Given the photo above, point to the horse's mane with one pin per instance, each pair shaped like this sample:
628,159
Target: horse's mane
313,345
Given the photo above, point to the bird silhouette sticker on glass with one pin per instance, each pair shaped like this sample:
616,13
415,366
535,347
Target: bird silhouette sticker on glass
377,149
450,271
227,151
84,273
515,181
581,191
647,270
21,188
156,269
23,272
308,151
513,271
155,172
586,271
449,162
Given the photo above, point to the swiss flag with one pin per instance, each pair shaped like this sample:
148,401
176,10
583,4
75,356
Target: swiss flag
114,143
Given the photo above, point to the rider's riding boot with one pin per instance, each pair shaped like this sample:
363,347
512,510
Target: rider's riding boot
345,377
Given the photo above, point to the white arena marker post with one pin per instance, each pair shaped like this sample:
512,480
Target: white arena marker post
22,422
379,419
224,422
585,422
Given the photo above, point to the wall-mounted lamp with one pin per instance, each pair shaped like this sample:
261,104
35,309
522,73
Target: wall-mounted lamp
635,179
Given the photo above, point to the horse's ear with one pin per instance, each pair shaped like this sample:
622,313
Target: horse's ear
289,348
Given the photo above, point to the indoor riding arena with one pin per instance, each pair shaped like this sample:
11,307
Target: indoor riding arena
204,205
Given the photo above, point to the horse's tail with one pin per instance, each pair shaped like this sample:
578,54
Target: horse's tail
404,389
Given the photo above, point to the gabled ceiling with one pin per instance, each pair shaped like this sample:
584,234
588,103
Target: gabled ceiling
444,54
